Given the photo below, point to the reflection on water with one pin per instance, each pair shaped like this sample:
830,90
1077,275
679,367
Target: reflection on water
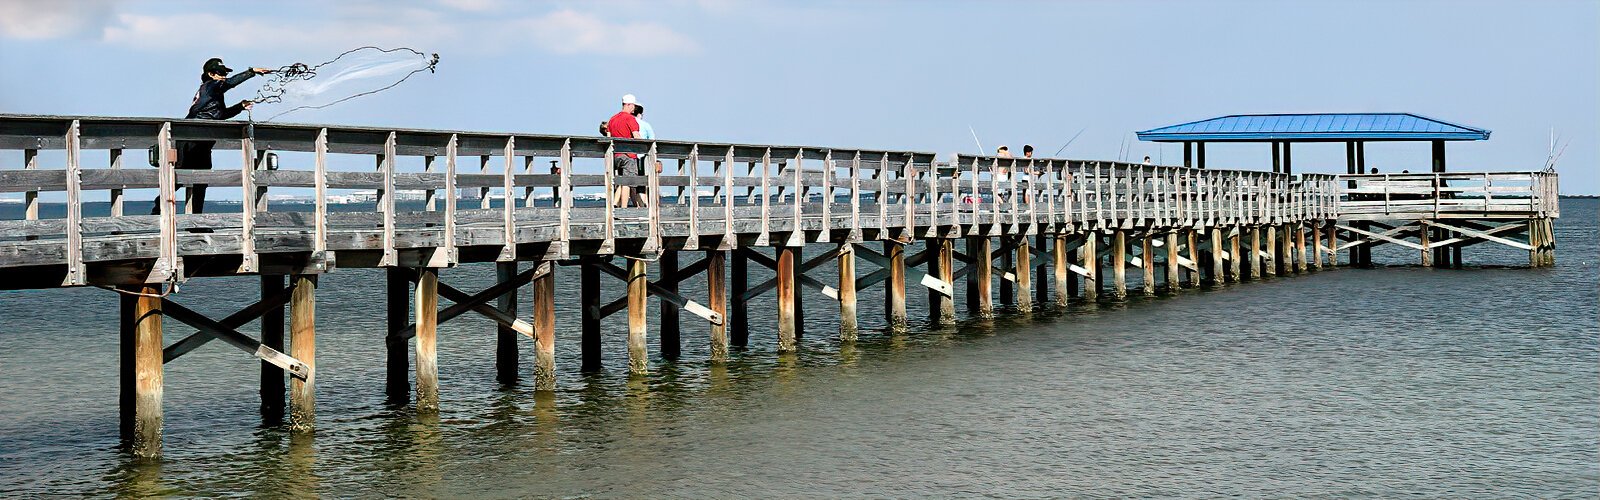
1388,382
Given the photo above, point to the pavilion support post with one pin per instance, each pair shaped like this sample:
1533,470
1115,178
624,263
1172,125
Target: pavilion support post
739,316
1058,250
786,298
1277,158
983,258
847,292
1091,266
1147,265
142,376
1188,154
717,299
397,379
638,305
942,307
544,329
894,290
589,296
1119,264
1200,154
671,345
1233,252
1023,273
427,338
1041,276
272,382
505,338
1174,282
1288,158
303,346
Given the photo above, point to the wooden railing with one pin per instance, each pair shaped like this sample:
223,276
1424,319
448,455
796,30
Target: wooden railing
1518,195
706,194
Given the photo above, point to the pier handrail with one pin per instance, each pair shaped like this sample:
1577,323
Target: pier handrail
719,192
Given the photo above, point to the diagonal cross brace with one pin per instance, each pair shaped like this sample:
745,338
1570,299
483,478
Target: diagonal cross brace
769,284
655,289
235,320
216,329
478,303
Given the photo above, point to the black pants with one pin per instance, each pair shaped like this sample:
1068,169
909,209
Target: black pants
192,155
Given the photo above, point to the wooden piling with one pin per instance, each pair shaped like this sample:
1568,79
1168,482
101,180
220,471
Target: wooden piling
303,347
847,292
1234,265
1217,273
983,258
1191,244
1255,252
426,339
1023,272
638,303
895,288
786,295
671,344
1174,279
1062,269
505,338
1119,264
544,328
1091,265
397,379
142,377
942,307
799,295
1006,263
739,316
1273,263
1041,279
717,301
272,383
1299,248
589,296
1426,254
1147,264
973,306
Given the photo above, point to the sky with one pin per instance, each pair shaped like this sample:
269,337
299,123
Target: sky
871,74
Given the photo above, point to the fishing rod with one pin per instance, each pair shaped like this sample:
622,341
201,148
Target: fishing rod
975,139
1069,142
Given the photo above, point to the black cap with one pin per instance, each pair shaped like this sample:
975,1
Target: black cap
214,65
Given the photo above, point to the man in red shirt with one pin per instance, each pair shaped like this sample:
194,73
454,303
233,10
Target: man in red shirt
625,126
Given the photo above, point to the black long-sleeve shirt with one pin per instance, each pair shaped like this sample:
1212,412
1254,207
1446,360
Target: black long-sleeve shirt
209,101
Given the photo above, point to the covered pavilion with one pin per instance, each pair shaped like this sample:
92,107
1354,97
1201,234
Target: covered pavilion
1281,131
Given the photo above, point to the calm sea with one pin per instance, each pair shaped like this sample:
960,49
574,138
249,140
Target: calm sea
1397,381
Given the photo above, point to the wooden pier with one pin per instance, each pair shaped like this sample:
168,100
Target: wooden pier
1046,232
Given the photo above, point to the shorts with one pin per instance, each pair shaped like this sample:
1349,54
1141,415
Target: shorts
623,165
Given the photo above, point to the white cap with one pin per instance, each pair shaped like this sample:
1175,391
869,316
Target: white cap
629,99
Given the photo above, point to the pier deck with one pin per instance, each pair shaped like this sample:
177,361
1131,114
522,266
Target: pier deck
1030,224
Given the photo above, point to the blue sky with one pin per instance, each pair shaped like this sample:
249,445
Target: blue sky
869,74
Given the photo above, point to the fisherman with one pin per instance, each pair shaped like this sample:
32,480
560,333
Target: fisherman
210,103
645,132
1146,159
624,125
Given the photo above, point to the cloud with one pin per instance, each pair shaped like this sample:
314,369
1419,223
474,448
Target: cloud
571,32
211,30
474,5
46,19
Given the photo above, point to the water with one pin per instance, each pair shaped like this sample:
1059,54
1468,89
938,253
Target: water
1390,382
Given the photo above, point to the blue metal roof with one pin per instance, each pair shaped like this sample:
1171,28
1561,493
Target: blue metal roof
1316,127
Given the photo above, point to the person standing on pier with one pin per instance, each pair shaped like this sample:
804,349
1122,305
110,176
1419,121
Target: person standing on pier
645,132
624,125
210,103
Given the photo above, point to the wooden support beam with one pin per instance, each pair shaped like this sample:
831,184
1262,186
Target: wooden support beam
942,306
638,303
427,337
787,293
972,277
894,294
1174,281
228,335
1218,276
717,300
589,284
1146,254
1255,252
739,280
1427,253
303,346
1119,264
1058,252
397,379
847,292
984,260
1091,266
1234,257
1192,245
1023,273
671,345
142,376
1007,270
505,338
798,273
1272,263
272,382
1041,275
235,320
544,328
